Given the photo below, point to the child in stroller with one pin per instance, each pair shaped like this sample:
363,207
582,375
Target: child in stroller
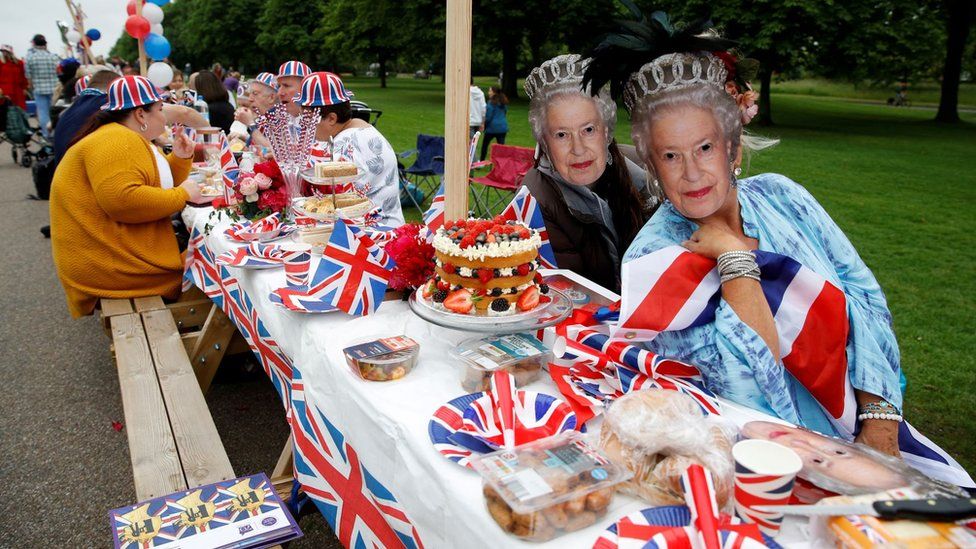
26,142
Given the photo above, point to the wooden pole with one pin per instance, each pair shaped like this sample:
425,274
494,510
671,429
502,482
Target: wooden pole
142,47
457,71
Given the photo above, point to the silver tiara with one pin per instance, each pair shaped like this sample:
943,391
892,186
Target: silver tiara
562,69
672,72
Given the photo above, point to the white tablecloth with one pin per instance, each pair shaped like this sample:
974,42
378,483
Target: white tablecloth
386,422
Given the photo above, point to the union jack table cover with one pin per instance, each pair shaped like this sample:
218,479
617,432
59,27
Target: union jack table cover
362,451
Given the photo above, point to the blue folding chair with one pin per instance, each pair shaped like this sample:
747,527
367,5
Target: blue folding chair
428,168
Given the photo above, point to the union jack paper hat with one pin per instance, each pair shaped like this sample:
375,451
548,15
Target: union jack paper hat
294,68
81,84
128,92
268,79
320,89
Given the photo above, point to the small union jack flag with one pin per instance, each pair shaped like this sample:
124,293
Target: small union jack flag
228,167
434,216
524,209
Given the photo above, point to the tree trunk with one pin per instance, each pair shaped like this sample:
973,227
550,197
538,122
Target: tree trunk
765,106
509,61
960,17
382,70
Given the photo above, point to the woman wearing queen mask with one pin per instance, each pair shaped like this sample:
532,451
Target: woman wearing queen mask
688,108
592,197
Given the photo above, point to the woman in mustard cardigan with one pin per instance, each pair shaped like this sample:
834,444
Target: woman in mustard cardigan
111,200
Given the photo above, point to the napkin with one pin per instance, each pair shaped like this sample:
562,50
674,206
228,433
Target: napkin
247,231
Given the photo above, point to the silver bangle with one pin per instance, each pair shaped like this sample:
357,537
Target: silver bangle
737,264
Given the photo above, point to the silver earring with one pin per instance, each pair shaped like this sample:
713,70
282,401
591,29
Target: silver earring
609,157
737,171
144,127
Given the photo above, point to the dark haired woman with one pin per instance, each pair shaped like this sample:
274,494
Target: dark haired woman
218,100
355,141
111,200
496,119
593,199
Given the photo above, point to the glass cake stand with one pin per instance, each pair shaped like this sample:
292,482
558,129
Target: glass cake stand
548,314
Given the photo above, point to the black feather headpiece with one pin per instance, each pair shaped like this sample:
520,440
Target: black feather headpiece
637,42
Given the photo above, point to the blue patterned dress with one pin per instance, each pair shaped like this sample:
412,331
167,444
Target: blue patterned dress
734,360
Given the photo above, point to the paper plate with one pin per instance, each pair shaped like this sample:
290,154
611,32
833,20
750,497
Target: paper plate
445,426
234,237
669,515
542,416
445,422
290,299
246,258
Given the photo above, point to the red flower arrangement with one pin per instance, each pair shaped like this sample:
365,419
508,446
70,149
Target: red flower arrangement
258,194
414,257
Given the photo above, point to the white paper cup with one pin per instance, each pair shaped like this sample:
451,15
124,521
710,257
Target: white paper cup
764,475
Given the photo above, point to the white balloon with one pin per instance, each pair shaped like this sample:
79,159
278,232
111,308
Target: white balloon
152,13
156,28
160,74
73,36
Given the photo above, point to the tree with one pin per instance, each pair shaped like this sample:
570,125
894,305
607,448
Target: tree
780,34
287,33
508,25
960,15
369,28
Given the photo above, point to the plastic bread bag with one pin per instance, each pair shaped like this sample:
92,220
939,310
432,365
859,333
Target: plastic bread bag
847,468
657,434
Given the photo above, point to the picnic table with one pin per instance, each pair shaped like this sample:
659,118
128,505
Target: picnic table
361,449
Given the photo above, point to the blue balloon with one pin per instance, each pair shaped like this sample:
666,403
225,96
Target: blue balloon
93,34
157,47
159,2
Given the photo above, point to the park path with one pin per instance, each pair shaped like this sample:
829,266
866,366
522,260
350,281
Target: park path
62,465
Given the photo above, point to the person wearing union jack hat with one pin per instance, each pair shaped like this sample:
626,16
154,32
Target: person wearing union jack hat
111,200
355,140
290,76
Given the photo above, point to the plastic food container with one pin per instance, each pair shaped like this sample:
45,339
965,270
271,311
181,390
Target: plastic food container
383,359
546,488
521,355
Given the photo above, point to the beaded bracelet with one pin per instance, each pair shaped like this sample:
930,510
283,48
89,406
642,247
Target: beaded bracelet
878,415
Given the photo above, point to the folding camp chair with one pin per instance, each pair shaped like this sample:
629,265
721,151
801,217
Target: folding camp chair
508,166
428,168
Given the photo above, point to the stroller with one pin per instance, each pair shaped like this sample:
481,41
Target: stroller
26,142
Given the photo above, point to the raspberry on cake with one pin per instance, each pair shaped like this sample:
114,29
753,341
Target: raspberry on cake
495,260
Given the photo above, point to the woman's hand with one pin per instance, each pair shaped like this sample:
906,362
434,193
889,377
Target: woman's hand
712,242
880,434
244,115
182,144
192,189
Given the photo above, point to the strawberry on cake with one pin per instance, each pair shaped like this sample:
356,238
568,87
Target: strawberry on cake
486,267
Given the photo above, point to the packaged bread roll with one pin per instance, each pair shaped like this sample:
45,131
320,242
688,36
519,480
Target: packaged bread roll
657,434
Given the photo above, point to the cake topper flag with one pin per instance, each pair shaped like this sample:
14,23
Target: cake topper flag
434,216
524,209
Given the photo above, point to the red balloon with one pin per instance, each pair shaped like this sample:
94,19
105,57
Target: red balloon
137,26
130,8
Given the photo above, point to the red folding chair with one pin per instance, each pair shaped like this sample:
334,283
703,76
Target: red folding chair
508,166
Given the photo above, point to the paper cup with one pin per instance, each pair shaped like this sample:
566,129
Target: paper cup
296,268
764,475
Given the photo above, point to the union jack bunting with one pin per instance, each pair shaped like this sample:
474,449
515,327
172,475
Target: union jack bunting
524,209
434,216
128,92
360,510
674,289
228,167
201,269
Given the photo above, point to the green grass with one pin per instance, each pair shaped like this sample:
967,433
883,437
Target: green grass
902,187
921,93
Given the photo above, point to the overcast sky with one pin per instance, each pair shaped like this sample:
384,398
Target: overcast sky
22,19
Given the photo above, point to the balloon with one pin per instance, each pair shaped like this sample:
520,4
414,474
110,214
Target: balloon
157,28
93,34
130,8
73,36
136,26
152,13
157,47
160,2
160,74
